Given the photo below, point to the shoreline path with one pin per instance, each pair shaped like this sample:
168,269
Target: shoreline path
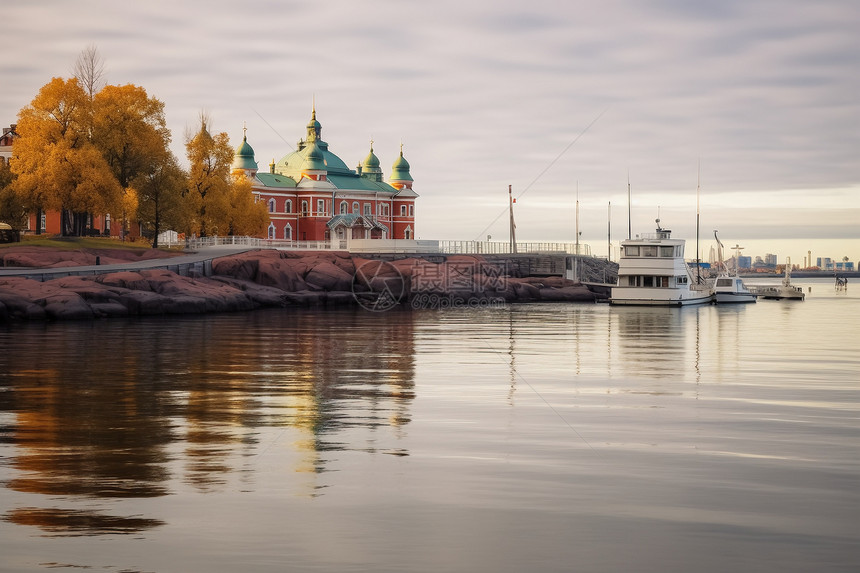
197,261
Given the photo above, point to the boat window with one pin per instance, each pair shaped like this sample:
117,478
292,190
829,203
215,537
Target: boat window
649,251
667,251
648,281
724,282
631,251
681,280
664,282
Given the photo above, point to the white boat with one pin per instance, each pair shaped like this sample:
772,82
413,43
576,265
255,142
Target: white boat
652,272
730,288
784,290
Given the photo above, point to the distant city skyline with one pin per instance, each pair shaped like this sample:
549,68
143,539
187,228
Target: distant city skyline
753,102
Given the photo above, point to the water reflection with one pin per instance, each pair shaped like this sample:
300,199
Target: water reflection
654,341
119,409
71,522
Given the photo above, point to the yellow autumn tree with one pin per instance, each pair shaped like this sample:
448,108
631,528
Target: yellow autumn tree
12,210
247,217
159,189
130,131
55,164
207,195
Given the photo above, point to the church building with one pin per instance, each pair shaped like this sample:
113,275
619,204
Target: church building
313,196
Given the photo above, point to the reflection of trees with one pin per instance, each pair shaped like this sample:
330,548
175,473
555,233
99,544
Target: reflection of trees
97,405
71,522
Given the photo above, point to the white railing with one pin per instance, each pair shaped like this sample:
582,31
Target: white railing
504,247
254,242
399,245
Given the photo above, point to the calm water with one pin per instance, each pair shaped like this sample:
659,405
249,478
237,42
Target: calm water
529,438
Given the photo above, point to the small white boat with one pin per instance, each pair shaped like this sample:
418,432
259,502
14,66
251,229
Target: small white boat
730,288
785,290
652,272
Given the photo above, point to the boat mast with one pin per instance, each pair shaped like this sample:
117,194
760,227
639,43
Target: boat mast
629,233
609,232
698,262
576,230
513,237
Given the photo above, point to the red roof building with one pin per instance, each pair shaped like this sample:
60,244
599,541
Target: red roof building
313,196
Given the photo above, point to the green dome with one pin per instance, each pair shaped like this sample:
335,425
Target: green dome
244,156
371,161
315,161
314,127
400,169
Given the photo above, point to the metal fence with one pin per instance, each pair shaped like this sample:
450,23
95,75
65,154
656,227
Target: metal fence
358,245
503,247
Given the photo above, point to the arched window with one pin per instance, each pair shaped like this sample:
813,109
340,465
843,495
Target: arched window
271,205
355,208
304,208
288,232
271,233
344,206
407,234
288,206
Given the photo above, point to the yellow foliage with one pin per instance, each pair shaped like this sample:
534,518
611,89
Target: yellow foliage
209,181
247,217
56,165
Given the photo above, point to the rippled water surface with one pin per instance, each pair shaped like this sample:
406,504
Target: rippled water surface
546,437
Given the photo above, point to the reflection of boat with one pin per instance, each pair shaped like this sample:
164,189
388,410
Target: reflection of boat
652,272
785,290
730,288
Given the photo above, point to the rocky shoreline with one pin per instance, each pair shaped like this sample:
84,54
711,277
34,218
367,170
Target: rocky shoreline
266,279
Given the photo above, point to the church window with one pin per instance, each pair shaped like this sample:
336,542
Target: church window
411,210
288,232
355,208
271,205
271,233
304,208
288,206
403,210
407,234
344,207
367,210
320,206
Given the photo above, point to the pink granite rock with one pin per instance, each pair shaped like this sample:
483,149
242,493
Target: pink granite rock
327,276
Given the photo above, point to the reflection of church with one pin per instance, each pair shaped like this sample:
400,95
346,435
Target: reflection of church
313,196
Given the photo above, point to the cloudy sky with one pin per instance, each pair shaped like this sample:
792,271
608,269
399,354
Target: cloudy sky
756,101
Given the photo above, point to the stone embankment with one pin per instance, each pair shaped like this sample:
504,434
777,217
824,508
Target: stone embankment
267,278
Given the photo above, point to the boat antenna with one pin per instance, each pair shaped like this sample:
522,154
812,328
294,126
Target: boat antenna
513,225
577,218
629,229
609,232
698,262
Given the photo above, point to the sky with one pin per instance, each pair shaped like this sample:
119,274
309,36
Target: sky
743,115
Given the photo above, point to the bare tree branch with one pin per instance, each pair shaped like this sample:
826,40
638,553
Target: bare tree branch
90,70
